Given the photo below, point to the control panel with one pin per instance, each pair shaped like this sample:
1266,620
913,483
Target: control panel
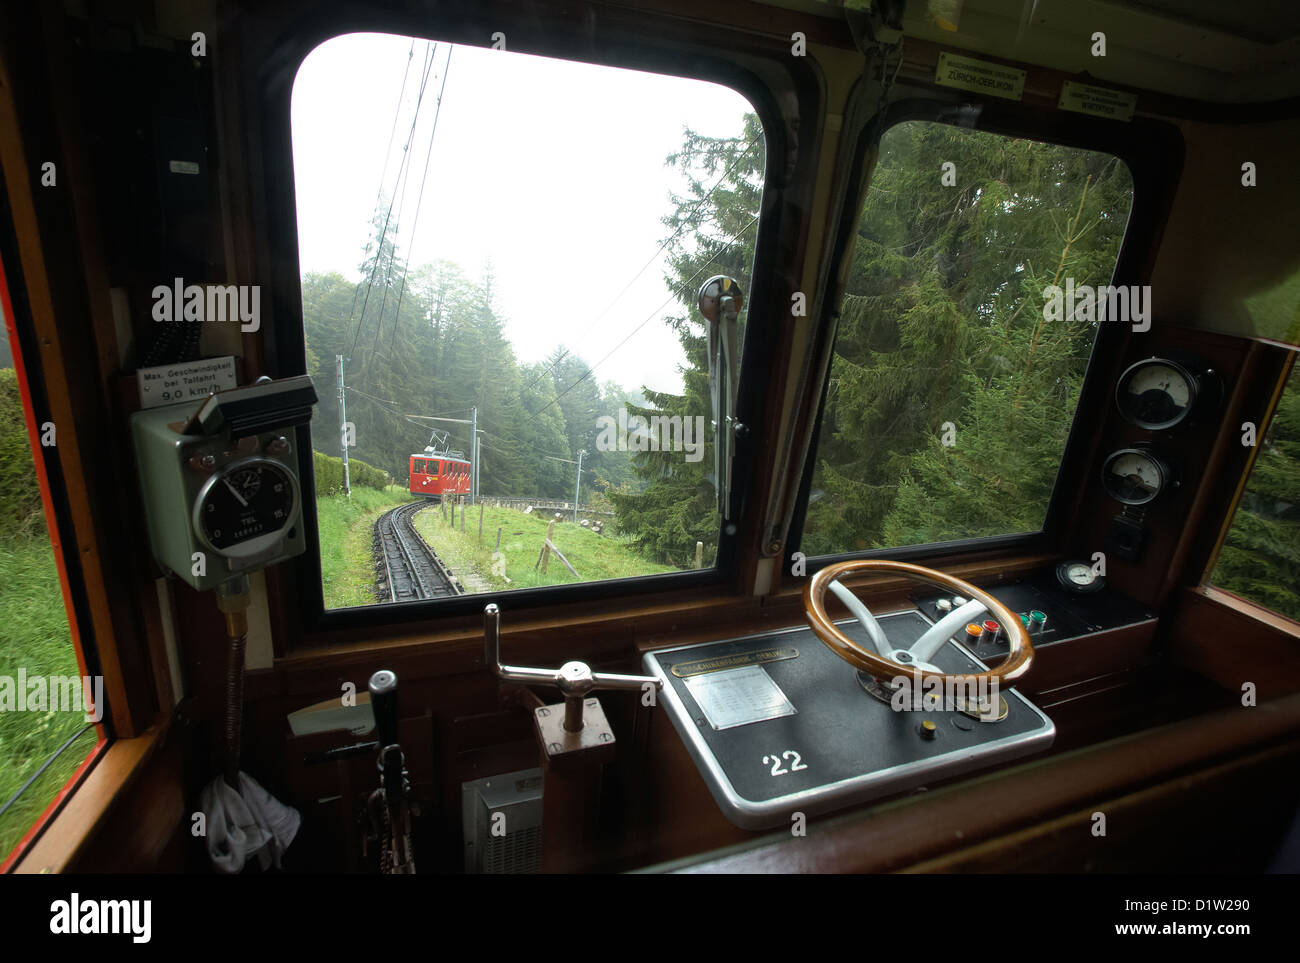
1067,603
778,725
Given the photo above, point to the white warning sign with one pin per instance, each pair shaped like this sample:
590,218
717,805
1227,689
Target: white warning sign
190,381
1097,101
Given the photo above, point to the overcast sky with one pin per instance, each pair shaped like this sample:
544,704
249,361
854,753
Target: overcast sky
552,170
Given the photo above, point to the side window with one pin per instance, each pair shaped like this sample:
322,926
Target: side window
510,286
50,708
1260,556
963,337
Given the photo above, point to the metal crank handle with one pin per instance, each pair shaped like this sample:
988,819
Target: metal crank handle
615,680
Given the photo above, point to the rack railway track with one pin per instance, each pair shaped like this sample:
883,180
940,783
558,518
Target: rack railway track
408,570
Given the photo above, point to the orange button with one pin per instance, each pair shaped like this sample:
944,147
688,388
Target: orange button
974,630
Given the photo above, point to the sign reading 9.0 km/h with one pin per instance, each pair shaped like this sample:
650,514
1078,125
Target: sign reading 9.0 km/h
979,76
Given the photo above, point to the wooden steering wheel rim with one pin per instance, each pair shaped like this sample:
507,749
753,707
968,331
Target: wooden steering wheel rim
1013,667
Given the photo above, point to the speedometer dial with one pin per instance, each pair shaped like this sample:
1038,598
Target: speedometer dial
1135,476
244,509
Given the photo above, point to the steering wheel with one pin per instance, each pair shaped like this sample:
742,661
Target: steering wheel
888,661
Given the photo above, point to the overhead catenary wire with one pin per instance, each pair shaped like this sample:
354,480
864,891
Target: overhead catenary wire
399,188
388,408
383,174
401,203
383,231
437,112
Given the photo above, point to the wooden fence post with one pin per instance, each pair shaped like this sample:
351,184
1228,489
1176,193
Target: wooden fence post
546,546
480,524
699,555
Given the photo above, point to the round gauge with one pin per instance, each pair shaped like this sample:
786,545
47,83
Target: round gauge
243,509
1157,393
1079,577
1134,476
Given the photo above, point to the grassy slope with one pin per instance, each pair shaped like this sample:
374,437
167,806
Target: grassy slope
593,556
346,543
35,638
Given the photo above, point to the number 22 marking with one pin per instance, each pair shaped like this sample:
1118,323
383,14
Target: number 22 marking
775,763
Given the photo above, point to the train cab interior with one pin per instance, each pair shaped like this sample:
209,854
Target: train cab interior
928,502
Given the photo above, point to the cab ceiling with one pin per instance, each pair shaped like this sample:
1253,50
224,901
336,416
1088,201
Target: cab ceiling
1224,51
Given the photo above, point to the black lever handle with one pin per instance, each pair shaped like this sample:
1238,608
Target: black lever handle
383,702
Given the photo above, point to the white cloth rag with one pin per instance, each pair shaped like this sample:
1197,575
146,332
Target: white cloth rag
247,823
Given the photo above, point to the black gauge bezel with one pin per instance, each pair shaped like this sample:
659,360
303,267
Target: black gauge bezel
1192,380
1162,467
1096,585
259,545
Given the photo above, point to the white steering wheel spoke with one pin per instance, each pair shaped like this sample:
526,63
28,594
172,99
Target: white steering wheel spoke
928,645
863,615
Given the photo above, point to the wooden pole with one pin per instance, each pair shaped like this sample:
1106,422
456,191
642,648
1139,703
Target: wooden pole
699,555
546,545
560,556
480,523
463,508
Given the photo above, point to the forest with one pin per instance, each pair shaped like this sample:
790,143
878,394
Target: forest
951,393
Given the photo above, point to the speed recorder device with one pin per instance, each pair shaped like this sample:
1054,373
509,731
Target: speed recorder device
221,484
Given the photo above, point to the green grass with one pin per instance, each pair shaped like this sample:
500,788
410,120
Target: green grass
595,557
35,638
347,542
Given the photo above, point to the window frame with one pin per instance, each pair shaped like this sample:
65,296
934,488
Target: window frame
758,68
1287,362
1153,152
15,315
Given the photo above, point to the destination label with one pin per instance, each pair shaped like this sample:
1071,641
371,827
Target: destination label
980,76
757,657
190,381
1097,101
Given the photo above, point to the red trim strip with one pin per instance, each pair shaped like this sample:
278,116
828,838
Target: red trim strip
29,417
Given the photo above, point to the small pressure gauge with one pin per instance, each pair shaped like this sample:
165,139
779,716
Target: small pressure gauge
1136,476
245,509
1076,576
1161,393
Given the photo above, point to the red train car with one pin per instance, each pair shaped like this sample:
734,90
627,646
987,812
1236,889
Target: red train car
443,473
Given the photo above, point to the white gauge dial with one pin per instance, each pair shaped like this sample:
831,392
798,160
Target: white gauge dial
1158,393
1134,476
1079,573
1077,576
